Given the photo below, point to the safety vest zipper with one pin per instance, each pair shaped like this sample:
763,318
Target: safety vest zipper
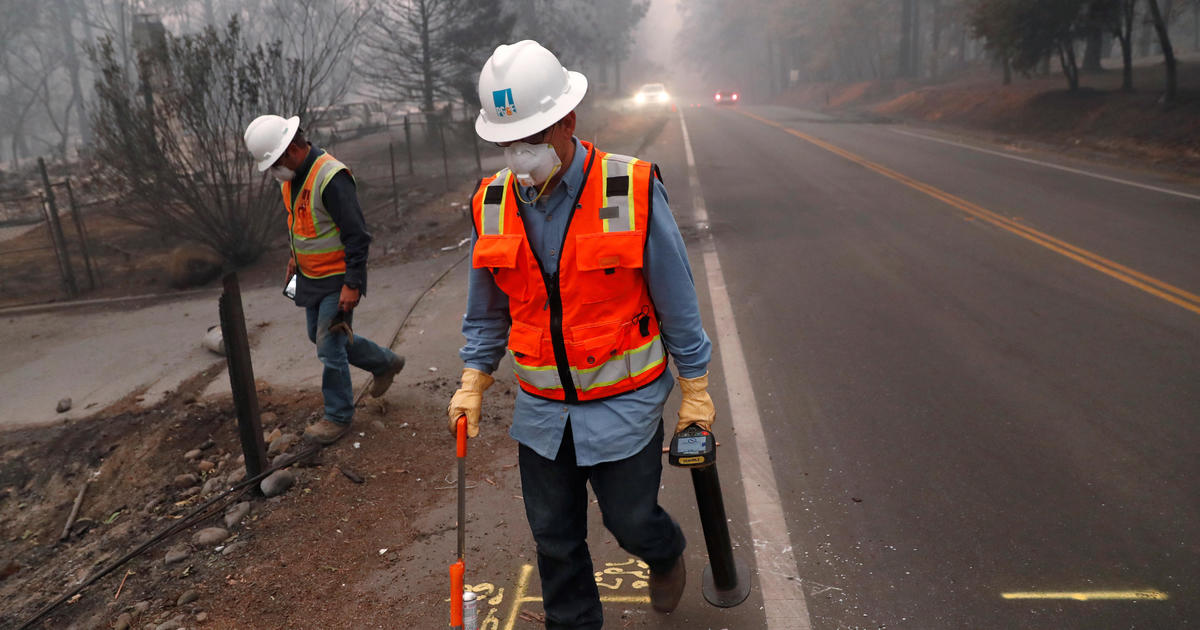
558,340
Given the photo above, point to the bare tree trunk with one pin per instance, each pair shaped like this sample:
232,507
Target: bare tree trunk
426,59
1196,25
906,43
1004,60
1164,41
1124,35
1095,47
1066,57
72,62
915,64
934,60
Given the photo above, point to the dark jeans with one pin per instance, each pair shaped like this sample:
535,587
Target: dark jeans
556,502
338,354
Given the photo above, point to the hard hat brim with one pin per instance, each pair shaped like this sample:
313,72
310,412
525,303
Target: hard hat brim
289,132
511,132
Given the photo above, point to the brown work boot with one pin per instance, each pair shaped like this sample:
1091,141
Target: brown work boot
667,588
325,432
382,382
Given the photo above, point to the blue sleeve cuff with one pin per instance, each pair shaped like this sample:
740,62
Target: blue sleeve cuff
691,372
486,369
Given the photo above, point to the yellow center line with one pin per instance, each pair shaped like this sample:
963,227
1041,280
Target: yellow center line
1134,278
1083,596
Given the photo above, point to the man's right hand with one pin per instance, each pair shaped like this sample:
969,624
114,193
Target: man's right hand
291,269
468,400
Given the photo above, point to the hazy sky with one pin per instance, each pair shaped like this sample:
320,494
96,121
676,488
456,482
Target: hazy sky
656,35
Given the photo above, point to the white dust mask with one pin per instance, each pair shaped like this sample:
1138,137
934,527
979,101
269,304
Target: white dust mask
532,164
282,173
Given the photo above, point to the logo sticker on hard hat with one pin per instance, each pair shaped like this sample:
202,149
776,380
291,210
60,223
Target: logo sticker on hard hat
504,103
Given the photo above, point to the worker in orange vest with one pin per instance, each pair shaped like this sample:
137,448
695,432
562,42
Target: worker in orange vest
579,272
328,239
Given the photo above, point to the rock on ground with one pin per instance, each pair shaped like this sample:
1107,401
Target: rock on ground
236,514
233,548
212,485
281,444
170,624
210,536
177,554
186,480
277,483
188,597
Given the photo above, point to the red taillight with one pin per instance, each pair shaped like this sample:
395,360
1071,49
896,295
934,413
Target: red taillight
735,97
717,96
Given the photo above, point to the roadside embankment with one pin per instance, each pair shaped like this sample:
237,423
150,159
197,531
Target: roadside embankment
1096,121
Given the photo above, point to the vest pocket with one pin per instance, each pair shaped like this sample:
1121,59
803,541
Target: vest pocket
605,261
609,250
596,353
503,255
525,341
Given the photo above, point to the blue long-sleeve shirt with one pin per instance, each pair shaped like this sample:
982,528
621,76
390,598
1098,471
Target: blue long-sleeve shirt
617,427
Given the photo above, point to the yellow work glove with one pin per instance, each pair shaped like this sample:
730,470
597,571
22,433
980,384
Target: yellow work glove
696,406
468,400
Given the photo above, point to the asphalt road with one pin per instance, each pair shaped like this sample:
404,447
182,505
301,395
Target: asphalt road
977,376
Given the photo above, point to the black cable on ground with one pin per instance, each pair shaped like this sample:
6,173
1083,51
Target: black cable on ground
192,518
201,513
403,322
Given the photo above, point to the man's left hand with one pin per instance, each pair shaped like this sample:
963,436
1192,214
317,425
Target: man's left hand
348,299
696,407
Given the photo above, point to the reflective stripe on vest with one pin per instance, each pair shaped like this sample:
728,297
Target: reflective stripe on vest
618,210
316,239
495,199
632,363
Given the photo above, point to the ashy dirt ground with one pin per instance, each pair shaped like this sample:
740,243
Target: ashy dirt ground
284,562
362,539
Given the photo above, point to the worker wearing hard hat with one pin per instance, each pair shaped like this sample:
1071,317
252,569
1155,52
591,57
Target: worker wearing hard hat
328,240
579,270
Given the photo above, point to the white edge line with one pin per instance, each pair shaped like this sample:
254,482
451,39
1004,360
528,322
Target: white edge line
1115,180
778,575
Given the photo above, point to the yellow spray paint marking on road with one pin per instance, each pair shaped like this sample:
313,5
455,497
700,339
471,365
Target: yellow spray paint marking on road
1084,596
631,574
1134,278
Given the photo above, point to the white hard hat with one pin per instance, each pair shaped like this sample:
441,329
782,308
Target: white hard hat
268,136
523,89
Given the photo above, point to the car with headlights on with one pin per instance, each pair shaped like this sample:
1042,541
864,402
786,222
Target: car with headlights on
652,96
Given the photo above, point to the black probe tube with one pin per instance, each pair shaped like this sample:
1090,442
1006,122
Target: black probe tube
716,527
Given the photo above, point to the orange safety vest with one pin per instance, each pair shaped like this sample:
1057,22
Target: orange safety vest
316,240
588,331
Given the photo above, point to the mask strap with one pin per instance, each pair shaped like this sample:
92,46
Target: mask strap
540,192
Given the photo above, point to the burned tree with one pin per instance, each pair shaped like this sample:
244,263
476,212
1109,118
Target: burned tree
170,139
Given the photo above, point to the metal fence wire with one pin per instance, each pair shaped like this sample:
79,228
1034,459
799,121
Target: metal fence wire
45,235
413,151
